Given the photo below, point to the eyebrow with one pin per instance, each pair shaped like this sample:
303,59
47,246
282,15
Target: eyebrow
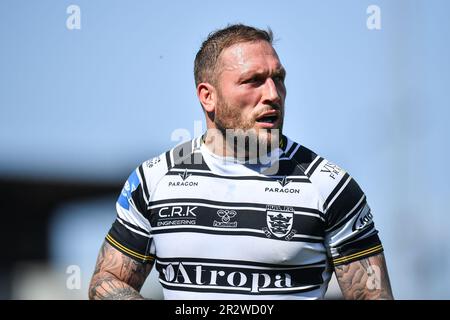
277,72
280,72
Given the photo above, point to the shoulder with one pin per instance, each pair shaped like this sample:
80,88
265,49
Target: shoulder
328,178
310,162
154,169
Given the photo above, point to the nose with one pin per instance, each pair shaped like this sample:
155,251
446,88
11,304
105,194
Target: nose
270,92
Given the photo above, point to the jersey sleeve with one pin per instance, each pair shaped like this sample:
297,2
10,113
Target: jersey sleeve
130,232
350,232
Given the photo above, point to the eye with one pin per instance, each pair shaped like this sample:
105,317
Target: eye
254,80
279,78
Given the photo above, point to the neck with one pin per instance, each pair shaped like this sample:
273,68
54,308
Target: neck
241,146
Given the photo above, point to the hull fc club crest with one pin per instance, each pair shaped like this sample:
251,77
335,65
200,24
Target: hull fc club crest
280,220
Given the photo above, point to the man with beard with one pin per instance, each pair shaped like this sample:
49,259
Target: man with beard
242,212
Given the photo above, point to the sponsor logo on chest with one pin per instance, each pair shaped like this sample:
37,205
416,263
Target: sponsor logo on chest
176,215
197,274
183,182
226,215
282,187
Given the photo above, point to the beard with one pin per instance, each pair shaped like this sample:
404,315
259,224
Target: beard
242,134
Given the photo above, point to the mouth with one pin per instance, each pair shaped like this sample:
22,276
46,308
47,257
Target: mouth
269,119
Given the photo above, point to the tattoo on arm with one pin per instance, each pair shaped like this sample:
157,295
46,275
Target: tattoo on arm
116,276
365,279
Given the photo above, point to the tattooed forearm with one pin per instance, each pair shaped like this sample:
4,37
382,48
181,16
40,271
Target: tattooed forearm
365,279
117,276
107,287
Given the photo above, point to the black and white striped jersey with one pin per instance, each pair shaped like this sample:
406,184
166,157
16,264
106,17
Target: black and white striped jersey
217,229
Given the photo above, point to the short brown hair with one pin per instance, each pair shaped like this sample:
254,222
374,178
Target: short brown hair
207,57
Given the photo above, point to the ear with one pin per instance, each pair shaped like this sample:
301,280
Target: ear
208,97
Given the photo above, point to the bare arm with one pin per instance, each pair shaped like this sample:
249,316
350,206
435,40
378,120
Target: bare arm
365,279
116,276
